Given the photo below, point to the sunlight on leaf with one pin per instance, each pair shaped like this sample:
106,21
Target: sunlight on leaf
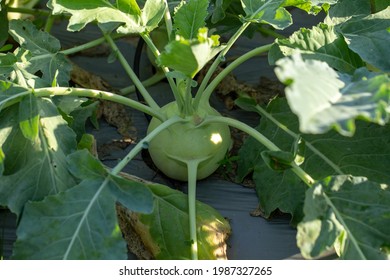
323,99
165,232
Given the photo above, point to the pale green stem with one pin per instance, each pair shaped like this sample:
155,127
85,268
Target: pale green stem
178,97
49,23
192,167
145,94
147,83
219,59
77,49
263,112
46,92
260,138
168,20
205,95
28,11
144,143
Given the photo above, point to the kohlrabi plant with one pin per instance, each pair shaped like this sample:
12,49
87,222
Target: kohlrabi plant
328,168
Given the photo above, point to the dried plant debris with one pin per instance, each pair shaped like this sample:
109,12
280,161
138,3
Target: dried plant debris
115,114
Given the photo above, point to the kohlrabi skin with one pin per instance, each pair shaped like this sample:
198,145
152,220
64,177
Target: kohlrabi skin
183,142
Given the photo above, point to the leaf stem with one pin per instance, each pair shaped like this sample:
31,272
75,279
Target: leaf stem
21,10
306,178
148,98
205,95
46,92
192,167
219,59
79,48
168,20
178,97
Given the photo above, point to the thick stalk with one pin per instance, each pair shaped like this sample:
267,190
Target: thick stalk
204,96
192,167
220,58
262,139
149,100
46,92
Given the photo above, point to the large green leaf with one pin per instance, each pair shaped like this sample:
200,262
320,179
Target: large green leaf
267,11
165,232
35,168
350,213
77,224
190,56
128,14
365,154
189,17
369,37
322,43
44,50
81,223
323,99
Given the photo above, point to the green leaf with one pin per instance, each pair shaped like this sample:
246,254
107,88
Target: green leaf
10,93
77,224
322,99
190,56
350,213
7,61
84,166
128,7
189,17
369,37
34,169
152,13
346,9
131,194
322,43
267,11
311,6
80,115
365,154
166,230
104,12
81,222
29,117
45,48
